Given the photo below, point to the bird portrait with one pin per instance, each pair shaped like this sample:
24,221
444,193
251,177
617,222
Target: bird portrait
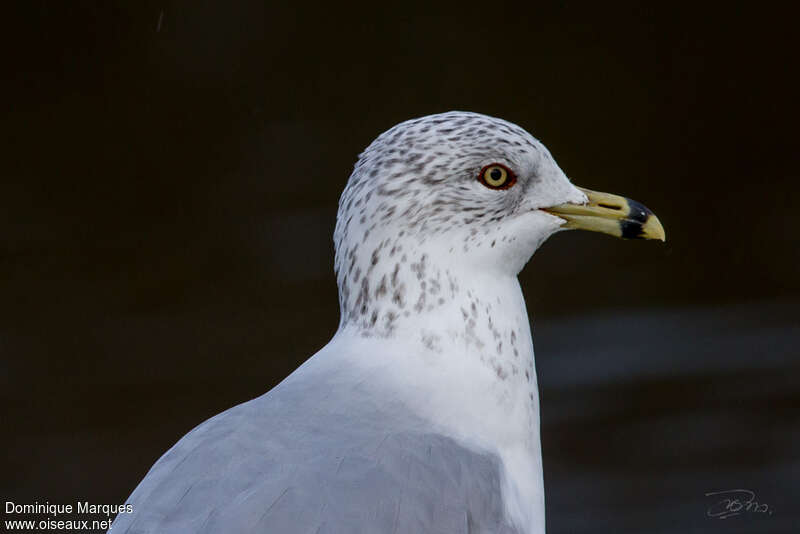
422,413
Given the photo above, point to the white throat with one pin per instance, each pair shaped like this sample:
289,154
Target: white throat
453,344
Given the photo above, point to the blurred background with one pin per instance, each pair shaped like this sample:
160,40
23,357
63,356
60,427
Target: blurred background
168,192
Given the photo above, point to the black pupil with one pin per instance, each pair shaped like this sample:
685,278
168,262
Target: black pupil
496,174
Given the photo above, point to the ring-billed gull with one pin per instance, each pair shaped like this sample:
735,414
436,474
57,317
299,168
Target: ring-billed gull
422,413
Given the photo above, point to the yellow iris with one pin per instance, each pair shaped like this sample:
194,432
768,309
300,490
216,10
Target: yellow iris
496,177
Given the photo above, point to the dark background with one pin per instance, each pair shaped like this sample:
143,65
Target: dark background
168,191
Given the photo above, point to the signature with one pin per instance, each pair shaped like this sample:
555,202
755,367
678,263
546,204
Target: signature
734,502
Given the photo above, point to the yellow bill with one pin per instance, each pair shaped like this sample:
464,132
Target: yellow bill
612,215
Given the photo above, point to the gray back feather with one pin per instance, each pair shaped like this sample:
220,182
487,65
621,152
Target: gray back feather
318,458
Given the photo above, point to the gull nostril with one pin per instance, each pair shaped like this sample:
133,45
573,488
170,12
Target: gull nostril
609,206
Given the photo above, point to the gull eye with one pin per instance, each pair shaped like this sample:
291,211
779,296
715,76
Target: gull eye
497,176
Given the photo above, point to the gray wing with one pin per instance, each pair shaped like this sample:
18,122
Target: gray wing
301,460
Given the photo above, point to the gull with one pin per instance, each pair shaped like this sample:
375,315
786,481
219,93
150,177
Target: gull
421,415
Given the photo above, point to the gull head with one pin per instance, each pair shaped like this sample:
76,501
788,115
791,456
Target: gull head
465,190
